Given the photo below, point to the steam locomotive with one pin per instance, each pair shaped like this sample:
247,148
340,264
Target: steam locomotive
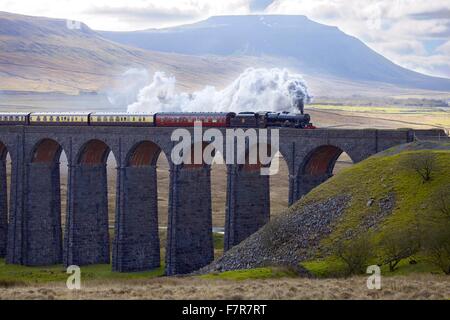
161,119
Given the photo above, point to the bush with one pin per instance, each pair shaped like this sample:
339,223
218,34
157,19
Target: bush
355,254
436,236
442,201
436,246
423,163
397,245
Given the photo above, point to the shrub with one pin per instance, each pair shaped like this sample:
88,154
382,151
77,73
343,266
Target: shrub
442,201
397,245
423,163
355,253
436,246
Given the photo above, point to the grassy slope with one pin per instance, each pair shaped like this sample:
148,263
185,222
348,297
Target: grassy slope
375,178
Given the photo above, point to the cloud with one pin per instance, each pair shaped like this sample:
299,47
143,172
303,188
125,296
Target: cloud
433,14
147,13
122,15
444,48
259,5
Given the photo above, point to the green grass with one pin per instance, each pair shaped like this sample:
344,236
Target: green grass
256,273
23,274
218,241
332,267
11,275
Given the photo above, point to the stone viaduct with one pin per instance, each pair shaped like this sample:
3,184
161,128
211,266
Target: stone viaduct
30,224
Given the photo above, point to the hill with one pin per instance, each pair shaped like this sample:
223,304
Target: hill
47,55
316,49
380,200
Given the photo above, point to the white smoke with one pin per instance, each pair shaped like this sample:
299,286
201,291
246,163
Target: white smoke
254,90
127,87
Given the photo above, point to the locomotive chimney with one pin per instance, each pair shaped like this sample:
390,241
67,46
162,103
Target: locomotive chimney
300,105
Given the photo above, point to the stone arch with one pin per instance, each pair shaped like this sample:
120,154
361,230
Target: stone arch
321,160
316,168
94,152
46,151
144,153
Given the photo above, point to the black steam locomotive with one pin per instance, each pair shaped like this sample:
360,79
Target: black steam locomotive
271,119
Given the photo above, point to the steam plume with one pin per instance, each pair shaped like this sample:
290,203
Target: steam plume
253,90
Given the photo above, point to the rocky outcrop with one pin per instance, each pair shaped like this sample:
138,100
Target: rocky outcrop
286,240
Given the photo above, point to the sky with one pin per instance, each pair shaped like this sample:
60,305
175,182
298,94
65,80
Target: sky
412,33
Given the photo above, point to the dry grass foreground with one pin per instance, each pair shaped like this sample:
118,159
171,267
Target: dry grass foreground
402,287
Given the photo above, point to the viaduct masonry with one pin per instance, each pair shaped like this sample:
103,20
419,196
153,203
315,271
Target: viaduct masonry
30,223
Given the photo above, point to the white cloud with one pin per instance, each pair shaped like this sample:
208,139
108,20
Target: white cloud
444,48
121,15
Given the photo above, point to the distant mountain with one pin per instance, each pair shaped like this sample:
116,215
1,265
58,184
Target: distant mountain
313,47
51,55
